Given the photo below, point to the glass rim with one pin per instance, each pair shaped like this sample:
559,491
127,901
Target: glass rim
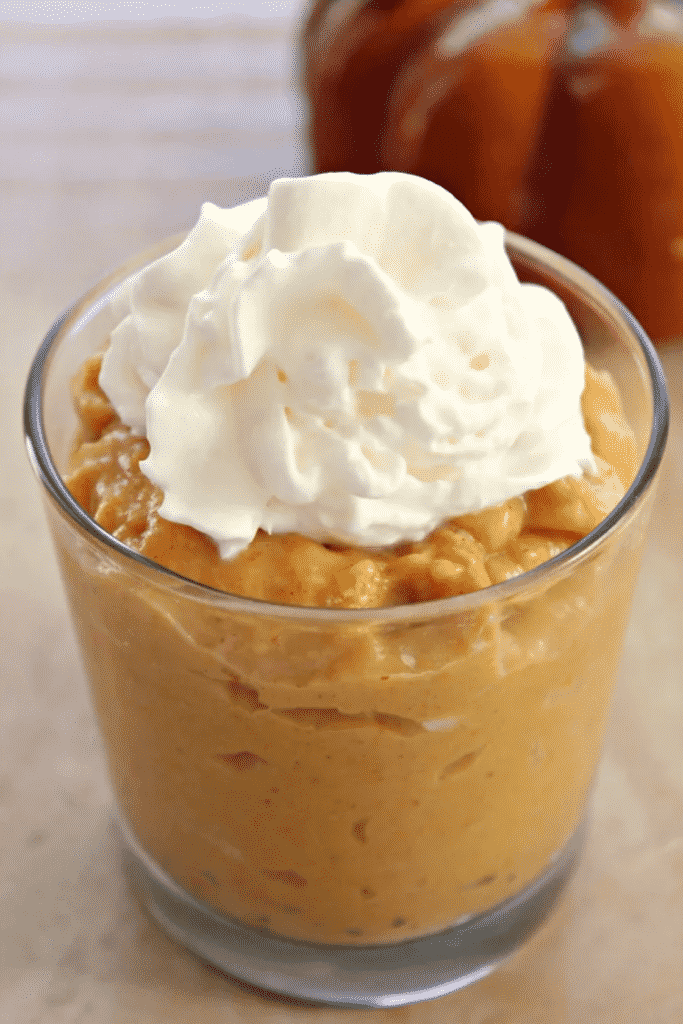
563,271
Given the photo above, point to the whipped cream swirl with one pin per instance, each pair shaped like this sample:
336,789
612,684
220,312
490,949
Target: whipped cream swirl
351,358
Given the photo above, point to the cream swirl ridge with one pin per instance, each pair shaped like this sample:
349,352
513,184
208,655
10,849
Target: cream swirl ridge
351,358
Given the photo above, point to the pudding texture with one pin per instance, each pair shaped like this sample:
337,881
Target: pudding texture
464,555
365,780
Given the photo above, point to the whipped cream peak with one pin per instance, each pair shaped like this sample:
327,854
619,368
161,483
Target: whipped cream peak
351,358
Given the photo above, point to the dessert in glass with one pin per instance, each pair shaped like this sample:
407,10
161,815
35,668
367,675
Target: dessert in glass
349,521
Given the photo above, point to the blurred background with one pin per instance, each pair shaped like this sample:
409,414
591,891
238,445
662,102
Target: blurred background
117,120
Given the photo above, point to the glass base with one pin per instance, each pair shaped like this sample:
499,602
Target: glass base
350,976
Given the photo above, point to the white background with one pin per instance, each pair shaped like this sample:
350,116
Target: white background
71,11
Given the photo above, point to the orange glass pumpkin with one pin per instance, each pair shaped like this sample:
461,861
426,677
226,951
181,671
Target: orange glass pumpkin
563,121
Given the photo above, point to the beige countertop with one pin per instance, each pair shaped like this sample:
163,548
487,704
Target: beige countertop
109,140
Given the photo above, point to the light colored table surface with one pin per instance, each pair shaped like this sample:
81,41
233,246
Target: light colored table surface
109,140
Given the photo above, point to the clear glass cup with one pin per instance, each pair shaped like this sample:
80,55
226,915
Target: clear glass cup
363,808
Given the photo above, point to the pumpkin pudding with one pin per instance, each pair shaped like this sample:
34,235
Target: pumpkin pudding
465,554
366,777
